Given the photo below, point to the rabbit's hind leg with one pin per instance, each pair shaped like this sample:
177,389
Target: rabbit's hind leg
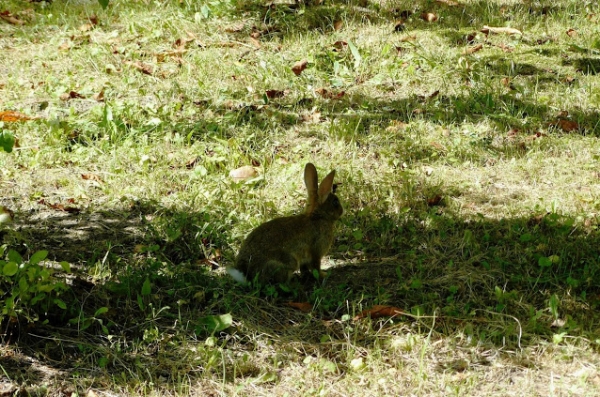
279,269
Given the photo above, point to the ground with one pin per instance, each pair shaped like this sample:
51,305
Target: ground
466,157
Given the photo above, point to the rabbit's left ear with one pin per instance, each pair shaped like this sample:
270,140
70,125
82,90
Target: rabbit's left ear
311,181
326,186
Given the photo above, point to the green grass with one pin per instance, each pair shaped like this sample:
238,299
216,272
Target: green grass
467,205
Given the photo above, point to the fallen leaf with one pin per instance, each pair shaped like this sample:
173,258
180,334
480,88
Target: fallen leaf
435,200
399,27
429,17
99,97
566,125
311,117
304,307
337,25
8,17
340,45
396,125
255,42
505,48
243,173
91,177
570,79
235,28
325,93
535,136
500,30
470,38
192,163
142,67
70,95
572,33
86,27
439,146
299,67
274,94
411,37
61,207
379,311
12,116
472,49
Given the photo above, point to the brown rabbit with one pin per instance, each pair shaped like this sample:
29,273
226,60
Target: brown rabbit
276,249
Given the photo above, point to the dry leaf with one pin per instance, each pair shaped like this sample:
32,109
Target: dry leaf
570,79
429,17
399,27
70,95
12,116
243,173
329,94
396,125
337,25
411,37
86,27
379,311
99,97
255,42
473,49
566,125
192,163
439,146
435,200
299,67
340,45
274,94
61,207
505,47
304,307
8,17
311,117
572,33
501,30
506,82
235,28
142,67
92,177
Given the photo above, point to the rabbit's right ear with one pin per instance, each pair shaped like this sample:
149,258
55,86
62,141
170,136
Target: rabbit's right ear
311,181
326,187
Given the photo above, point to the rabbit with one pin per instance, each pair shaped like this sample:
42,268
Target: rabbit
278,248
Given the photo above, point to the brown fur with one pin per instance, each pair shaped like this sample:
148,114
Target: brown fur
278,248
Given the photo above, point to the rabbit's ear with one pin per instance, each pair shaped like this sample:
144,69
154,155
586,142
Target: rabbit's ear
311,181
326,187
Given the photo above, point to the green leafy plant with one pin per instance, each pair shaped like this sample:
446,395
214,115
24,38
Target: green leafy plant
7,141
29,287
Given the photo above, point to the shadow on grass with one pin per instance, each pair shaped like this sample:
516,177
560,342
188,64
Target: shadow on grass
293,18
492,279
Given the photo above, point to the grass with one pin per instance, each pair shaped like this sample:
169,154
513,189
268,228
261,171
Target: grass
470,185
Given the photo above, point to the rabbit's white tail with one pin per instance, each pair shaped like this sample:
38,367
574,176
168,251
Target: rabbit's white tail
236,275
